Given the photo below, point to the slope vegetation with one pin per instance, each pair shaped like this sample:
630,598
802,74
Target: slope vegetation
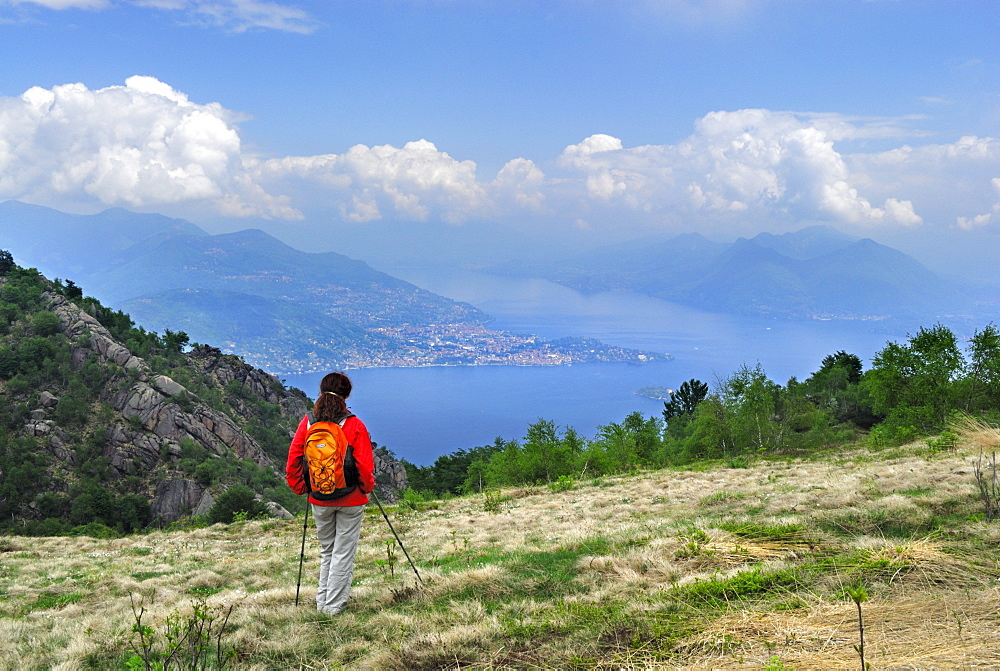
108,424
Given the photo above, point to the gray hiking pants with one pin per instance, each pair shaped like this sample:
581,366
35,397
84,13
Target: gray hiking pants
338,529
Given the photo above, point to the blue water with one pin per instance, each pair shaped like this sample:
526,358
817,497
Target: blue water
422,413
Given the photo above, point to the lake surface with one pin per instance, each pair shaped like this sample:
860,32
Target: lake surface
422,413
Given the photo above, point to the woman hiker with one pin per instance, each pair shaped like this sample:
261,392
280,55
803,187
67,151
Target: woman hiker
338,520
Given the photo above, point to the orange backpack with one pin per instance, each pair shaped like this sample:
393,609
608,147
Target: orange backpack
331,471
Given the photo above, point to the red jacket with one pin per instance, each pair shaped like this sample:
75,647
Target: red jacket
357,437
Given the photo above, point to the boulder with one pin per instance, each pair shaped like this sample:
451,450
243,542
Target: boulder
166,385
278,511
175,498
205,503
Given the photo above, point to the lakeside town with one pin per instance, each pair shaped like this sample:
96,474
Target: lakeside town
460,344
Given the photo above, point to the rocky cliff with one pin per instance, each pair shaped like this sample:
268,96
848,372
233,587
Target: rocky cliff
142,418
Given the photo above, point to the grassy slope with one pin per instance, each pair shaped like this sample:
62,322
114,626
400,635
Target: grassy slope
714,568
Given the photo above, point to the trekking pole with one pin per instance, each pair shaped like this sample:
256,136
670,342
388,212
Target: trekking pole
302,556
412,565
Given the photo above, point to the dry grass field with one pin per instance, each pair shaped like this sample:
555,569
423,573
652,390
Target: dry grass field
692,569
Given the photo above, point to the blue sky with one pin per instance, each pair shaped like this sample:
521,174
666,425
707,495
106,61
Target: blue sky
587,121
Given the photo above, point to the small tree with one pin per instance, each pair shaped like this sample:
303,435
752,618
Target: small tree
685,399
983,379
72,291
915,385
174,341
680,409
6,262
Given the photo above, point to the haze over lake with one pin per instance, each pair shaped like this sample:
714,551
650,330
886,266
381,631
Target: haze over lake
422,413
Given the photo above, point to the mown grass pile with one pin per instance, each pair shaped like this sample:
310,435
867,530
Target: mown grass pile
717,567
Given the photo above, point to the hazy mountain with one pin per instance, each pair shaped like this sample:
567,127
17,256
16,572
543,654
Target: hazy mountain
807,243
248,291
745,278
68,245
637,265
254,263
281,308
816,272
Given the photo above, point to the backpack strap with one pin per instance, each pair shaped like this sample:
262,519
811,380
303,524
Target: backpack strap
311,419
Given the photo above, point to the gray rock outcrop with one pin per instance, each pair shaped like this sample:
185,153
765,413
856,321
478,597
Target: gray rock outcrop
390,476
175,498
155,414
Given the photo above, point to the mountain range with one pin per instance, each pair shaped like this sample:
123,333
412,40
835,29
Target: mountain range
282,309
814,273
246,291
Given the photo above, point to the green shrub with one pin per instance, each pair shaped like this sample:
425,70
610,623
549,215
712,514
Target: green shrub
412,498
45,323
235,500
947,441
563,484
34,351
208,472
94,530
9,364
72,411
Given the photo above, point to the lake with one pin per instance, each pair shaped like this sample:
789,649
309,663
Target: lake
422,413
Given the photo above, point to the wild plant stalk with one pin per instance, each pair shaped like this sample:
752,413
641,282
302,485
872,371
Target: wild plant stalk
859,594
988,483
192,634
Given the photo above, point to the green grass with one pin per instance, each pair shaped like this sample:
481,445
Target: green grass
48,600
760,531
204,591
721,497
735,591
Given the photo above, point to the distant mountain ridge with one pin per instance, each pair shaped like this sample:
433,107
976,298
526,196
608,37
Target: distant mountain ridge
814,273
247,291
280,308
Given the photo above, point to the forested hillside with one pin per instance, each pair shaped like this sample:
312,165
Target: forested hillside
111,427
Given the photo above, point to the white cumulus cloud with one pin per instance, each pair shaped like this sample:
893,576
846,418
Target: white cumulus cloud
520,184
413,182
745,162
946,182
140,145
972,223
146,145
